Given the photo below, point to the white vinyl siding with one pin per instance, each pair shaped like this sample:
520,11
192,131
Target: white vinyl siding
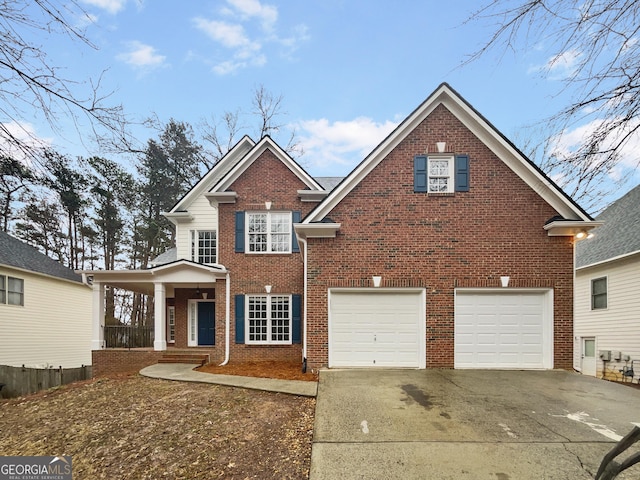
616,328
46,331
205,217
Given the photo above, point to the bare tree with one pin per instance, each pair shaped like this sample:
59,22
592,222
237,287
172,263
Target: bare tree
597,45
224,132
32,86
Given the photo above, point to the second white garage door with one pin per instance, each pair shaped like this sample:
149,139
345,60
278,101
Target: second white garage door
503,330
381,328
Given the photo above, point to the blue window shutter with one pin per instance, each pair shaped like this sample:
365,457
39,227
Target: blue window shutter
462,173
295,218
296,318
239,318
239,232
420,173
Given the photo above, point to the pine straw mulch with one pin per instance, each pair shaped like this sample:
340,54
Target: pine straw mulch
131,427
263,369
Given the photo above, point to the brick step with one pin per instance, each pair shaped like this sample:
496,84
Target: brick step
193,358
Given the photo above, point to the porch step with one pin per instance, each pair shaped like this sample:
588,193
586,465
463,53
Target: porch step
194,358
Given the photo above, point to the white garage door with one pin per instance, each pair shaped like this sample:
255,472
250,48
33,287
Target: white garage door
503,330
377,329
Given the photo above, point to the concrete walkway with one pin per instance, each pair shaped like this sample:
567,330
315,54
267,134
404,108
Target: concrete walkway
185,373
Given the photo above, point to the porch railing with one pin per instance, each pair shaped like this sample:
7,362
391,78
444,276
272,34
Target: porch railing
127,336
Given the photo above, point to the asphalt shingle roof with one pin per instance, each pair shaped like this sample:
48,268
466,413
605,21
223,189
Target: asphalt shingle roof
15,253
620,234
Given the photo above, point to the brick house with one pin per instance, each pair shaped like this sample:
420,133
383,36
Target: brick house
445,247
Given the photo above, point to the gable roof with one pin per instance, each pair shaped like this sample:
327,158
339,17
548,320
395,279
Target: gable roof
618,237
17,254
219,170
245,162
484,130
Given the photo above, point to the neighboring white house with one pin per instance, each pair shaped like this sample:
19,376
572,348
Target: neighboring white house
45,310
607,308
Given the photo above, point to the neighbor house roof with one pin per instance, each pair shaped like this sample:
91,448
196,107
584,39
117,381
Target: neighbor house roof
619,236
17,254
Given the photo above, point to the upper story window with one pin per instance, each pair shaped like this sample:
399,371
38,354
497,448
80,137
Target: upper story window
599,293
441,173
203,246
11,290
269,232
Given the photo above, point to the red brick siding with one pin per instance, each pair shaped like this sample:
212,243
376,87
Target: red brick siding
117,360
266,180
440,241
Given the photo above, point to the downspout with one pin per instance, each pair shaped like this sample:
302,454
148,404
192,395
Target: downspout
227,319
304,308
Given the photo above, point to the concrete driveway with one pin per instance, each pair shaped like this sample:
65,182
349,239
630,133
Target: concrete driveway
468,424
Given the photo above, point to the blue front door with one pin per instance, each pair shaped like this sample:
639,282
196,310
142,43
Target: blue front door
206,323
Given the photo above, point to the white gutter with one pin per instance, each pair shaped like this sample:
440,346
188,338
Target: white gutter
227,319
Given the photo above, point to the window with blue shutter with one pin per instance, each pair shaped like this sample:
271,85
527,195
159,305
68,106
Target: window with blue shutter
239,232
296,318
295,218
420,173
239,318
462,173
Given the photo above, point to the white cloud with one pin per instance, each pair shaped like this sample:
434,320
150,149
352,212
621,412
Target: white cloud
142,56
267,14
335,148
561,66
111,6
24,133
245,43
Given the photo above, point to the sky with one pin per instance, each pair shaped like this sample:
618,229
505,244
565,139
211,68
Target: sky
348,71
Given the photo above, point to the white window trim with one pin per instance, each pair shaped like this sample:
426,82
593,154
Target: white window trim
195,245
247,243
269,341
171,315
606,293
7,291
451,164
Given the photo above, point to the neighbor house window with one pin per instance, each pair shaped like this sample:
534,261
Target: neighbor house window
269,232
11,290
599,293
203,246
269,319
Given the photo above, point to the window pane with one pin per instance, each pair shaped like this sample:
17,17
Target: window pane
589,348
599,293
3,289
258,319
439,168
207,247
280,324
15,294
438,184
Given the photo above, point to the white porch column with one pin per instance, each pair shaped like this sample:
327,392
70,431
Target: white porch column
160,317
97,317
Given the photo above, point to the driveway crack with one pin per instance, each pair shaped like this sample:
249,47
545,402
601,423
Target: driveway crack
582,465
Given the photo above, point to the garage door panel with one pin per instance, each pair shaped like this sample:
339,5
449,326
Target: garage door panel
376,329
500,330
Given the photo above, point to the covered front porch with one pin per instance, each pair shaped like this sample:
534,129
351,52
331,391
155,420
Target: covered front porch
190,307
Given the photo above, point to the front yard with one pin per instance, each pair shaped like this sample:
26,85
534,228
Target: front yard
140,428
